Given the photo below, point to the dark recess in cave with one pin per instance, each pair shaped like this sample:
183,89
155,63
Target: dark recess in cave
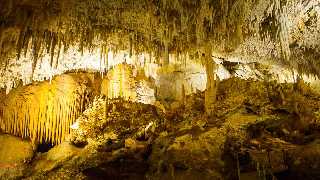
44,147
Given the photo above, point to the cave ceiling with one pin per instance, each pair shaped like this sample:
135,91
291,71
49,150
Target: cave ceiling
285,32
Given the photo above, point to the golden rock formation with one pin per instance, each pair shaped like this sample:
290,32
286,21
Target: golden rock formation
45,111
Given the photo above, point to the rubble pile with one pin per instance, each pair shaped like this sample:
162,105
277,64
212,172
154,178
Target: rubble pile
115,116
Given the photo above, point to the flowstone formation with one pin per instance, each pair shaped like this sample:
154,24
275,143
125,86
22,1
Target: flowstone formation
45,111
118,117
263,130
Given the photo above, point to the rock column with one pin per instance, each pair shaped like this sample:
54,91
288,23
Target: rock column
211,90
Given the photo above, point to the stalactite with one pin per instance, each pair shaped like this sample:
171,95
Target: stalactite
54,42
163,24
58,53
107,60
101,58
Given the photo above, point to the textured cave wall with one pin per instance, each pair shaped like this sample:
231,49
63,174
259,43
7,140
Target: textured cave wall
302,38
182,71
97,35
182,76
145,50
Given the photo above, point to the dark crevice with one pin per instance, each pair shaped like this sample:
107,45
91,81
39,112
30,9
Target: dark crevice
44,147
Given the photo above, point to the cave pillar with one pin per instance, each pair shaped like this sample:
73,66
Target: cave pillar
211,89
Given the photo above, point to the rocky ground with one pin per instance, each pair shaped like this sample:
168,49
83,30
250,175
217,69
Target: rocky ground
260,130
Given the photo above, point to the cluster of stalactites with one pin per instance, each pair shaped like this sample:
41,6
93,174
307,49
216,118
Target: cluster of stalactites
160,27
278,26
27,40
120,82
44,112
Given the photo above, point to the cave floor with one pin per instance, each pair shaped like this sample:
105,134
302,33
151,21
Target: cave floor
259,130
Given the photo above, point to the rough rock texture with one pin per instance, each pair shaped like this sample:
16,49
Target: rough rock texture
188,154
262,130
183,151
114,117
55,157
14,152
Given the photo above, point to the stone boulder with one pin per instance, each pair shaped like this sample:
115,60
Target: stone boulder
14,150
14,153
55,157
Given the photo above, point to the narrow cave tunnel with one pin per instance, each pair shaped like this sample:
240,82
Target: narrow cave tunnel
160,89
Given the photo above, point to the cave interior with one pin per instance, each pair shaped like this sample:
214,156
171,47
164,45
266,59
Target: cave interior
160,89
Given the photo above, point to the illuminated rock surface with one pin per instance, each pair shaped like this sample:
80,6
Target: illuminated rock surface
159,89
